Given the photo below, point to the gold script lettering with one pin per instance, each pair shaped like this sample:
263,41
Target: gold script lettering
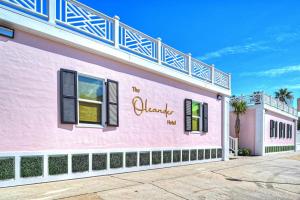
140,106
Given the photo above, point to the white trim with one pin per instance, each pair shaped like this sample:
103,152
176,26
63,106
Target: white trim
225,127
59,34
45,154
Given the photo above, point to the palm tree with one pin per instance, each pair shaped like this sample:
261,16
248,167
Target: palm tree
240,107
284,95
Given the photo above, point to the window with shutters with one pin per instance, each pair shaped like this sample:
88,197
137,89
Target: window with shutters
90,100
196,106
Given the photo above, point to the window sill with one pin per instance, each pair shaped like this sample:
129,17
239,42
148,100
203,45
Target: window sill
196,132
89,126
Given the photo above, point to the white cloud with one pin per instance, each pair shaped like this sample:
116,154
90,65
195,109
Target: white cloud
238,49
290,86
274,72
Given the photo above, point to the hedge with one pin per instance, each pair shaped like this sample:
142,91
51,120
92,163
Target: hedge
213,153
219,153
7,168
116,160
31,166
99,161
185,155
207,153
80,163
156,157
176,156
200,154
193,154
131,159
58,164
144,158
167,156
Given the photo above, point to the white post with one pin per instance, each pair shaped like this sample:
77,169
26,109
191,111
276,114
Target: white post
225,128
236,147
159,50
52,11
116,30
190,63
259,130
213,74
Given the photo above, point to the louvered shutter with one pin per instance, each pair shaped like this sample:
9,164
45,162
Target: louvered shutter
112,103
283,135
280,129
276,129
287,131
291,131
68,96
271,128
205,117
188,115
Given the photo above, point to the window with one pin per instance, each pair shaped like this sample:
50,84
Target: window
195,116
90,100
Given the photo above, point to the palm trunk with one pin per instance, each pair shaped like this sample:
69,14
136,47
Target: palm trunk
237,126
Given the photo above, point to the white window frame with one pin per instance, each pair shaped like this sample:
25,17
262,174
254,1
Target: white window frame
199,117
103,103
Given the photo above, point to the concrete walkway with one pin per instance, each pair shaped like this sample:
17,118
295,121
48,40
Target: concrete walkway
271,177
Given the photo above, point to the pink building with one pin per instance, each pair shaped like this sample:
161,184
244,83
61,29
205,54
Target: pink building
267,126
83,94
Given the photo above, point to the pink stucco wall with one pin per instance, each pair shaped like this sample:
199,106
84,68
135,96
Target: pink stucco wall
269,115
247,132
29,101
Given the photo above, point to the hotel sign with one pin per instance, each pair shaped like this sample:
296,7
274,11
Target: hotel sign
140,106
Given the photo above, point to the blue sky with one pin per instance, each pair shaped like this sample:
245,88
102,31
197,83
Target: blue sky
257,41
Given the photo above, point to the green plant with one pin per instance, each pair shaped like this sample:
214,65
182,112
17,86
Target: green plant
239,108
156,157
167,156
200,154
207,153
99,161
31,166
144,158
58,164
193,154
116,160
176,156
244,152
185,155
131,159
7,168
284,95
80,162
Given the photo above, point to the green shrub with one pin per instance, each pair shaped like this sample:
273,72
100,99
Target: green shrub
131,159
213,153
244,152
193,154
58,164
156,157
116,160
31,166
7,168
80,163
144,158
207,153
167,156
99,161
185,155
219,153
200,154
176,156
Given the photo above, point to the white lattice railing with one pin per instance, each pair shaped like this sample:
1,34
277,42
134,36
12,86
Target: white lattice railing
260,97
234,145
31,7
83,20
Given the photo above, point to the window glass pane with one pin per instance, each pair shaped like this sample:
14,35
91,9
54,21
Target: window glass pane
195,109
195,124
91,89
89,113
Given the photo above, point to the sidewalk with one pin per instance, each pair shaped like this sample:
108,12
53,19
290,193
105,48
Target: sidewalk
271,177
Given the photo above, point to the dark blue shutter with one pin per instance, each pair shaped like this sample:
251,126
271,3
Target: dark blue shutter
68,96
283,135
287,131
280,129
271,128
276,129
291,131
112,103
188,115
205,117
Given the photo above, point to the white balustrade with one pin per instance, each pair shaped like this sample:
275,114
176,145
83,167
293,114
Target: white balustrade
234,145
